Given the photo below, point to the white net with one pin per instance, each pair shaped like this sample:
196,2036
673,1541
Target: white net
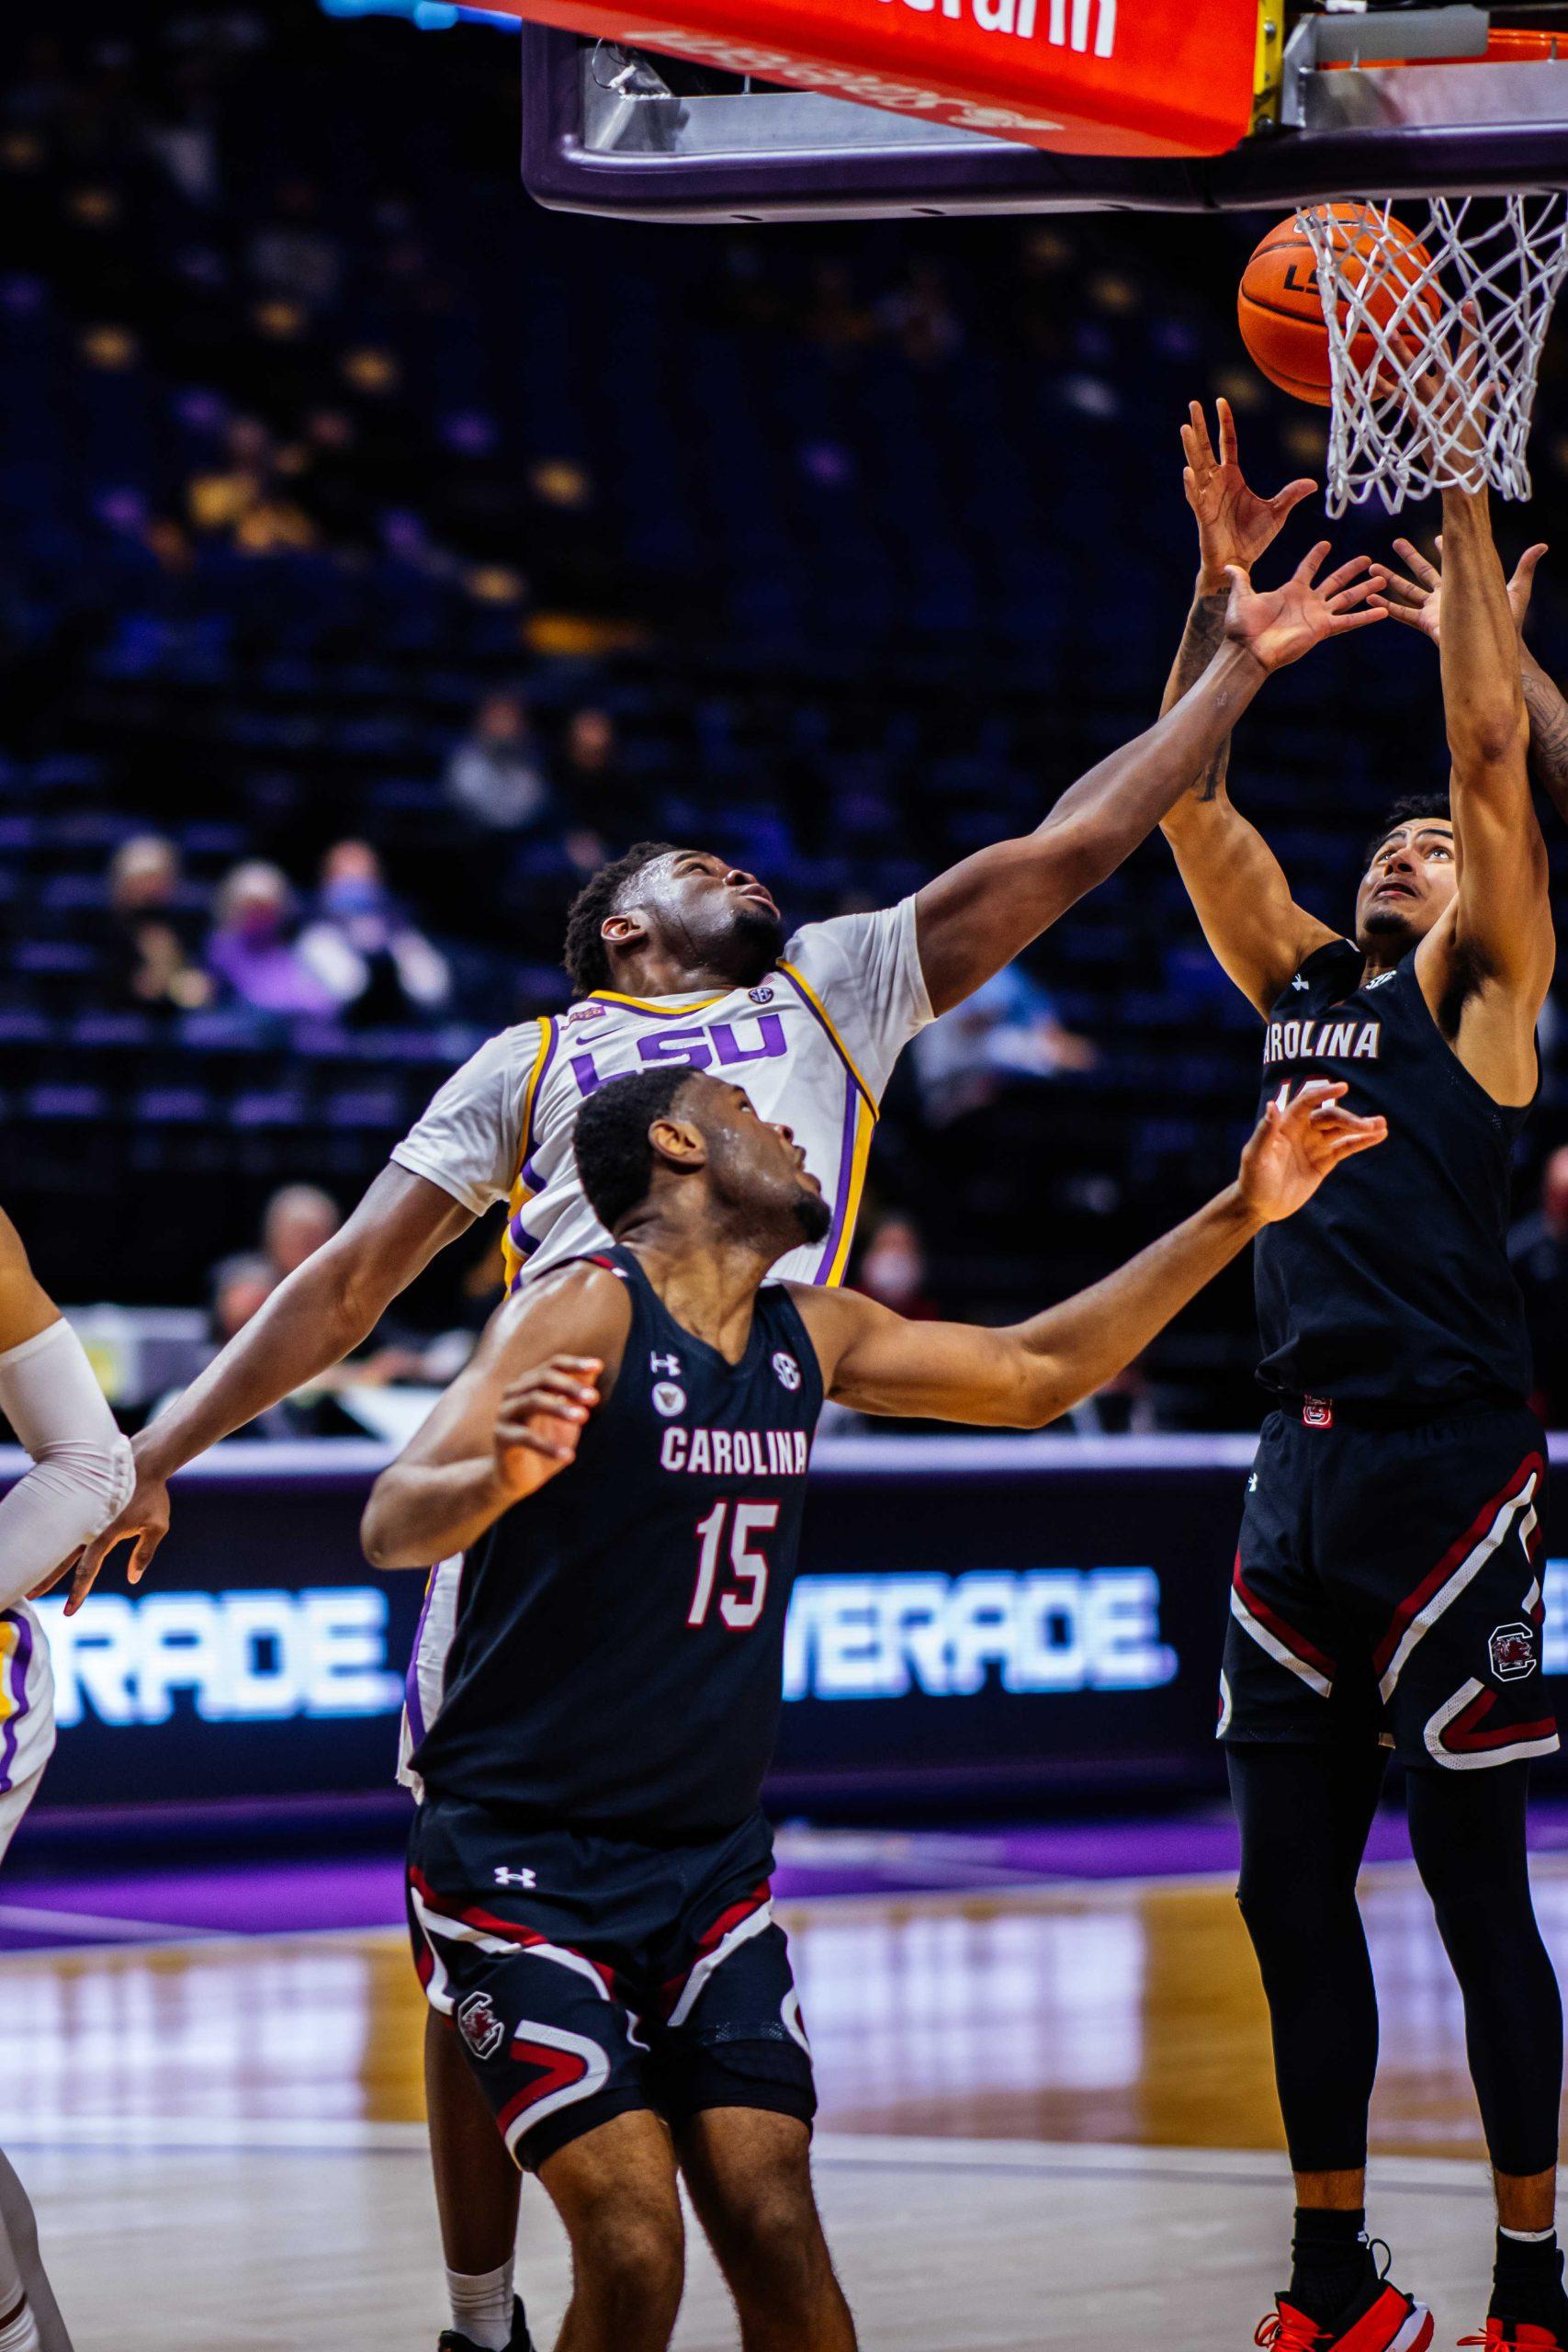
1436,315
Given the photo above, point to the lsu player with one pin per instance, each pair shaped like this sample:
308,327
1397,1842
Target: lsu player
82,1476
677,957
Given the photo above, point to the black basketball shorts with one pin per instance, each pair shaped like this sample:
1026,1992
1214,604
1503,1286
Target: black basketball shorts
588,1976
1386,1589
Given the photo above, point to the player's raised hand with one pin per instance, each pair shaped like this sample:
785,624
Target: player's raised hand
1419,601
1300,1139
1235,525
1278,624
541,1419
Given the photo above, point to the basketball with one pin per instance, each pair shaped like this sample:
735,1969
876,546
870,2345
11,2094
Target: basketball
1281,310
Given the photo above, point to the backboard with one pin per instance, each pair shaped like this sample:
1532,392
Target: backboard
1336,103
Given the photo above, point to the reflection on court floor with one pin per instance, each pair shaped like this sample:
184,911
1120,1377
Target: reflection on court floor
1008,2080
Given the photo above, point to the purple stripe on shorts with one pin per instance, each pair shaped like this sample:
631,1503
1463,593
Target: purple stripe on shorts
20,1665
410,1680
846,1170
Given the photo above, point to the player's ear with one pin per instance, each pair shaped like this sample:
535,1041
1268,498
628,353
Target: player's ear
623,930
680,1142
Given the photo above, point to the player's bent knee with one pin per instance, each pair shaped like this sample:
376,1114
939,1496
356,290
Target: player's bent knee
775,2250
634,2264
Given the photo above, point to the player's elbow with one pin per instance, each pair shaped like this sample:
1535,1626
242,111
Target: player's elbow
1042,1394
346,1286
377,1540
94,1478
1489,738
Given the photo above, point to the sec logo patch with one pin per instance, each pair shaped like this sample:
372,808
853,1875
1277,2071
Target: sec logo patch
787,1370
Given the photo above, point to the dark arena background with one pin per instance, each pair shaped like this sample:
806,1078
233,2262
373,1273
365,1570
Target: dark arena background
381,552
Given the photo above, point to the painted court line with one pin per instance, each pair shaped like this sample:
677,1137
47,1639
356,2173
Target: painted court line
27,1915
833,2151
158,1937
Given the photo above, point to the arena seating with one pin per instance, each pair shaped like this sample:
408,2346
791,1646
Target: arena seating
868,542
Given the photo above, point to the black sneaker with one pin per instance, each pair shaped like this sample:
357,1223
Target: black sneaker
452,2340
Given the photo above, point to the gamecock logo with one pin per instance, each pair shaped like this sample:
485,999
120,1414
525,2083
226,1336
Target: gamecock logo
480,2026
1512,1652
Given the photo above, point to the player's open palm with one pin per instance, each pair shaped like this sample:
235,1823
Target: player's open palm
1415,596
541,1419
1235,525
1300,1139
1278,624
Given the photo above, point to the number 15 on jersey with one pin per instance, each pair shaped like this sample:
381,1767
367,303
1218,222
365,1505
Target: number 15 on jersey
741,1602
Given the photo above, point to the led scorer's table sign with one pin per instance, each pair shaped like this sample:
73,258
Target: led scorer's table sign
996,1613
321,1653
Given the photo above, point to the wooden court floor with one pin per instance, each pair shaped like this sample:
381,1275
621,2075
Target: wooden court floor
1046,2116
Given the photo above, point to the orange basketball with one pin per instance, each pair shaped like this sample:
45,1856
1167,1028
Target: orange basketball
1281,310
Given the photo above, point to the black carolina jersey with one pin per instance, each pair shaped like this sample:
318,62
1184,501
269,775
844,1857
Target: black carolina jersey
1391,1287
617,1659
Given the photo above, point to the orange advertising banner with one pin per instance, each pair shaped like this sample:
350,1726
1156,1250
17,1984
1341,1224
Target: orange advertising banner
1085,77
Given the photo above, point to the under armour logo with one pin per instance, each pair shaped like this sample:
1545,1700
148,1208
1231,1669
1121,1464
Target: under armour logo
1300,982
670,1364
504,1877
1252,1484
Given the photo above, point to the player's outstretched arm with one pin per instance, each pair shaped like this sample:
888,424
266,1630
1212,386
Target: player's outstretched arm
509,1423
81,1472
982,912
1496,948
1415,597
321,1314
1236,883
1235,525
1026,1375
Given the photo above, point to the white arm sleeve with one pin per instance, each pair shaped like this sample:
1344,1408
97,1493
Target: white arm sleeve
82,1474
865,969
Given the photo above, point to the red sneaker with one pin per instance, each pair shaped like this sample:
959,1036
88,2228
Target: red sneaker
1387,2322
1516,2335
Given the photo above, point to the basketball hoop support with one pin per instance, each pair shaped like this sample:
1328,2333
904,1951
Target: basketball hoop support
1335,110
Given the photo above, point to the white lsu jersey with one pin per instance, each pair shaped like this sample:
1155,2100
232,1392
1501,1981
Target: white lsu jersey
26,1714
814,1043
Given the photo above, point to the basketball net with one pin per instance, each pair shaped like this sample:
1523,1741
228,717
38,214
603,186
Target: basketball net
1443,398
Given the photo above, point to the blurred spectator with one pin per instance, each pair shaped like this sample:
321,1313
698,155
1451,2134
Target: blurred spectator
495,775
152,934
892,1269
240,1287
1007,1031
595,788
291,254
920,317
362,949
835,315
1538,1251
242,501
296,1222
251,951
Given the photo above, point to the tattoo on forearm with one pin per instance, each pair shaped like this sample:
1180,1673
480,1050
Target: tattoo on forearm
1200,641
1549,738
